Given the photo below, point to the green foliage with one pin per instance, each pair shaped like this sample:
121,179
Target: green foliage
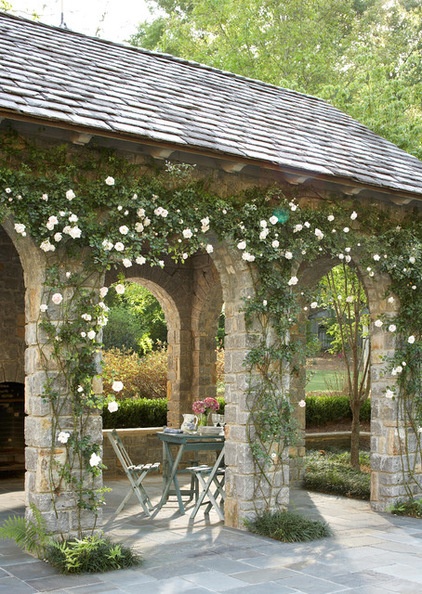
287,526
363,56
29,534
332,473
141,412
92,554
408,507
135,321
142,377
323,409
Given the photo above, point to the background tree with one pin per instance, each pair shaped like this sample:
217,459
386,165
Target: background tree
364,56
136,321
342,293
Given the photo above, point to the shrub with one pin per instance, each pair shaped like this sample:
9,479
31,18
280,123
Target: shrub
91,554
288,527
408,507
332,473
322,409
142,377
143,412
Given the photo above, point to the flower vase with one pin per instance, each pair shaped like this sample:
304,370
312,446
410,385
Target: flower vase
202,420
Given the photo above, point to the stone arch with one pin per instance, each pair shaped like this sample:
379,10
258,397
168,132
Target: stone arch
388,476
190,295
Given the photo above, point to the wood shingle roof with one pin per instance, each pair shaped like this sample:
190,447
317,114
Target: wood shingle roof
64,78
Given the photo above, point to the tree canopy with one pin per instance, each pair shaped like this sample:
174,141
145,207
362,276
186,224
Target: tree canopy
363,56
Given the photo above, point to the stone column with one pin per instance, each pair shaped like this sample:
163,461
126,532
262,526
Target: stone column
243,499
44,453
394,464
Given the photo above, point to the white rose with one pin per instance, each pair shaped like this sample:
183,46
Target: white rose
63,437
120,289
124,230
70,195
103,292
140,260
57,298
20,228
117,386
94,460
112,406
241,245
293,281
107,245
46,246
109,181
75,232
411,339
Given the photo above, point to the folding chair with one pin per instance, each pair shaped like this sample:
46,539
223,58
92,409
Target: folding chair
135,474
211,479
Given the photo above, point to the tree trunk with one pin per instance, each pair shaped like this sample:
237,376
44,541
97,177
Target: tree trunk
355,438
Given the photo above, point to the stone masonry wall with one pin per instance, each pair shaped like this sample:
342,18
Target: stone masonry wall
12,317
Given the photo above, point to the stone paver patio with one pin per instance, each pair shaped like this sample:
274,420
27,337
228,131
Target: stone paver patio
370,553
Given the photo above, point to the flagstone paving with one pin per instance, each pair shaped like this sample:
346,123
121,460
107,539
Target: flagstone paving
369,552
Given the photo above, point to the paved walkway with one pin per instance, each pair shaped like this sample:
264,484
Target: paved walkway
370,553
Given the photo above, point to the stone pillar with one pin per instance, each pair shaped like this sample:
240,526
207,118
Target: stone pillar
393,445
44,453
243,499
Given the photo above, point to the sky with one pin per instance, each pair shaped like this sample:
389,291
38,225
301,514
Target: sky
117,19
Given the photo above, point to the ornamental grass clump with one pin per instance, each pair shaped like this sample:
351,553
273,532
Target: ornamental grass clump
409,507
288,526
92,554
332,473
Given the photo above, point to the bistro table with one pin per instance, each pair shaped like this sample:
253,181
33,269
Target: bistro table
181,443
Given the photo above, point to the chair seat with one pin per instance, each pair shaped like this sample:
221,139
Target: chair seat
212,482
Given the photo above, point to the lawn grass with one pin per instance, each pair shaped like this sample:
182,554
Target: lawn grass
322,380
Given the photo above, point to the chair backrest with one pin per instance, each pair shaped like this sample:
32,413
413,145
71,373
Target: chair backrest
120,450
